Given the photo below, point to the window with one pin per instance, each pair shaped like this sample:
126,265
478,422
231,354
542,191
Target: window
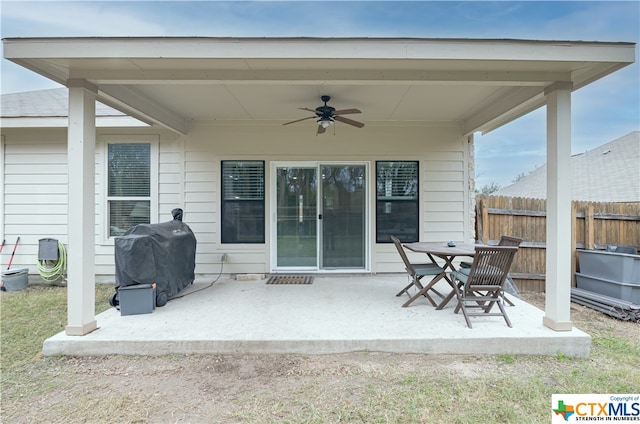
128,186
397,201
243,202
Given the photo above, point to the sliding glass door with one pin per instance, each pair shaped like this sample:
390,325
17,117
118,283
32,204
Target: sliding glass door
296,217
321,217
343,216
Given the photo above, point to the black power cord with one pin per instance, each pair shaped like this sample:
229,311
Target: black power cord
203,288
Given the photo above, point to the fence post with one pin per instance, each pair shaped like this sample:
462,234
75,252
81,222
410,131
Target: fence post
574,254
589,236
485,222
477,224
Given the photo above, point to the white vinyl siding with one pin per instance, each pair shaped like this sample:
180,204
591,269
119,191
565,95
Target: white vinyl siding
34,192
188,176
443,200
170,181
443,184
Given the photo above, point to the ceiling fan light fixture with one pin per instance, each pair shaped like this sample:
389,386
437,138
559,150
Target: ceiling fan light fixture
325,122
326,115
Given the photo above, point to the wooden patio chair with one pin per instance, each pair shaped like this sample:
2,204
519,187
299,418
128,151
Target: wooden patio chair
481,286
509,241
504,241
416,271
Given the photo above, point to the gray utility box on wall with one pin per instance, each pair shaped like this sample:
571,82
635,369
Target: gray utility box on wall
137,299
48,249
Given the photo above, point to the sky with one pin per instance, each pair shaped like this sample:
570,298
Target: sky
601,112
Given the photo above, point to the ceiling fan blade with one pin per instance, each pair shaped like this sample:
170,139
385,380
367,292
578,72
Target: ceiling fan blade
349,121
298,120
346,111
307,109
321,130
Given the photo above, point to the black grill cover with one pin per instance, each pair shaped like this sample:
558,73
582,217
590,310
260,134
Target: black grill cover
163,253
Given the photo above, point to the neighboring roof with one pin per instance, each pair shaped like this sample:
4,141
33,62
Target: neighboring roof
476,84
45,103
608,173
50,108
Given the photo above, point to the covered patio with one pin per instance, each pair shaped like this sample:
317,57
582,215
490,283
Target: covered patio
334,314
214,94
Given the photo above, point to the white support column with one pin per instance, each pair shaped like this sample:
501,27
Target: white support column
81,141
558,269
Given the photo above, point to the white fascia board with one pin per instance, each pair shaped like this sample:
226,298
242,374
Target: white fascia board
351,48
352,77
522,50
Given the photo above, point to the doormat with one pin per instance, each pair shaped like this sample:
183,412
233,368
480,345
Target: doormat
290,279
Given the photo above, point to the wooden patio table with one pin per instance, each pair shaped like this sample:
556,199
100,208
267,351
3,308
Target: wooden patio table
447,254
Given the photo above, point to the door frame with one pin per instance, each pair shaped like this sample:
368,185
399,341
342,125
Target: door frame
273,227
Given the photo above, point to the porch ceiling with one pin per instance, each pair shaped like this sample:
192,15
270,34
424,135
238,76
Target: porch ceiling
480,84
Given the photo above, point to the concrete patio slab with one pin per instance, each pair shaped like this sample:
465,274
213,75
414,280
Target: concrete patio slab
335,314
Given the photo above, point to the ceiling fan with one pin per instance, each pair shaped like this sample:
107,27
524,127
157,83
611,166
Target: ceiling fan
327,115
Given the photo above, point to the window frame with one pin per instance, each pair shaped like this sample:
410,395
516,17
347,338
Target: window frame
416,201
153,197
225,203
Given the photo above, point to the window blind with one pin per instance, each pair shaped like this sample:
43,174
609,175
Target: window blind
397,180
129,170
243,180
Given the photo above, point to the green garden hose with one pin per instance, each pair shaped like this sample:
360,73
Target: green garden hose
53,270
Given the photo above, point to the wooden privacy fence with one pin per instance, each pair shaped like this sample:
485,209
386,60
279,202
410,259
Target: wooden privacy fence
595,225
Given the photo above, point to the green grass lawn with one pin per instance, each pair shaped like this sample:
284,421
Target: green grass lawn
362,387
34,314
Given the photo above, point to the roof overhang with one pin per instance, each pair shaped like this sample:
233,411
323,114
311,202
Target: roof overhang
477,84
